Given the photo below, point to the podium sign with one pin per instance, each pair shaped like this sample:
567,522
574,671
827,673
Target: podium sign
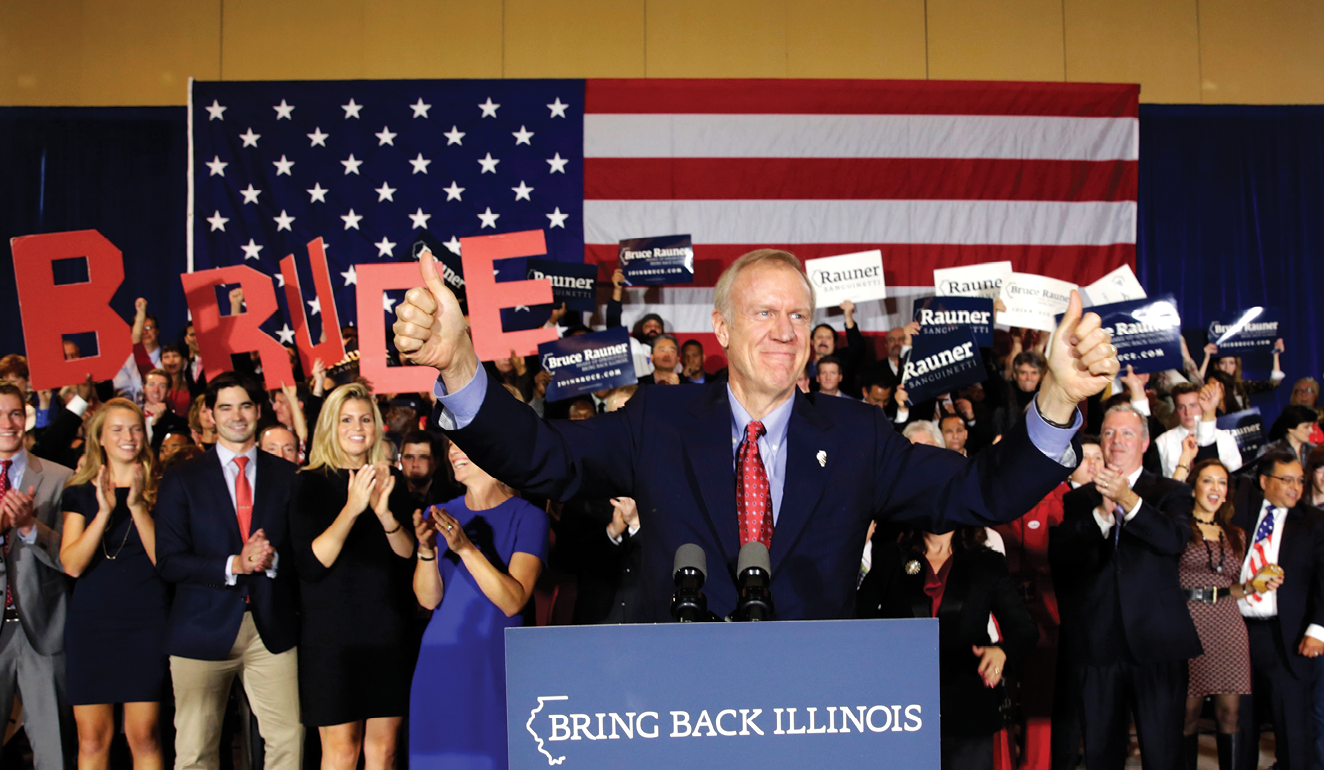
837,693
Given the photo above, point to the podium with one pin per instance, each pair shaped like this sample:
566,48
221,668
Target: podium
836,693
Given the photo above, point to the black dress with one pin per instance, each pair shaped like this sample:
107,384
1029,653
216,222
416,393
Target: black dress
356,645
114,636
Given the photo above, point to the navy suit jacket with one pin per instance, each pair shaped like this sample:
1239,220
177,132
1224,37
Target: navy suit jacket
1125,602
670,449
197,531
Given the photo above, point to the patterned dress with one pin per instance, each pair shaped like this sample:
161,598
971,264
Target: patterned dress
1225,665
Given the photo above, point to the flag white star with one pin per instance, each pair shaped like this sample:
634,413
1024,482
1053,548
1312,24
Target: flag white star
454,136
420,109
557,108
250,194
558,219
522,192
387,302
489,219
519,308
351,109
351,277
216,165
317,137
314,305
385,192
419,219
250,138
351,220
252,250
317,193
280,279
286,335
215,111
283,221
453,192
351,165
385,137
557,163
217,221
489,109
488,164
283,110
385,248
454,245
522,136
283,166
420,164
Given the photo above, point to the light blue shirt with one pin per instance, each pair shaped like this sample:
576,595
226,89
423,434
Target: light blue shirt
772,444
19,466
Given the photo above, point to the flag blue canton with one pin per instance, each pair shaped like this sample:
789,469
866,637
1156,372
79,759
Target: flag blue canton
368,166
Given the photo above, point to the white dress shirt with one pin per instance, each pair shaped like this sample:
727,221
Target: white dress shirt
1267,607
1206,433
231,470
1106,525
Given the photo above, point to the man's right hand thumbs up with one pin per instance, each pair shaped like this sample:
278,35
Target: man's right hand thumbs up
430,329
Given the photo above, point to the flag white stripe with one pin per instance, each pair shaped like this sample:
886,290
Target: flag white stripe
860,136
689,310
1049,223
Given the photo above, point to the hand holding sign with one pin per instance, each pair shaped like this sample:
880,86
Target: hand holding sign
1081,362
430,328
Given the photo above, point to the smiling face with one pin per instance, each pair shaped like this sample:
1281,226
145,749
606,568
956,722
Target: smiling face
356,430
1123,441
172,362
767,336
1284,486
466,472
122,435
13,418
280,442
1301,433
1211,489
651,328
1091,460
1305,393
235,416
1027,377
173,443
154,388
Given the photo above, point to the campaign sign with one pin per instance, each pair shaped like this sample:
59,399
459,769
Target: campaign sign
1247,428
572,282
972,280
1147,332
449,265
723,695
939,315
942,363
1118,286
856,277
1252,329
657,261
586,363
1033,301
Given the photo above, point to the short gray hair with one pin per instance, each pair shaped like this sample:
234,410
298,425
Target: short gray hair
928,427
1144,420
722,293
665,336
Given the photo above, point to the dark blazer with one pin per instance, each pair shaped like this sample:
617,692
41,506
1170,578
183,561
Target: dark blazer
647,379
197,531
1129,599
607,573
1301,555
977,584
670,449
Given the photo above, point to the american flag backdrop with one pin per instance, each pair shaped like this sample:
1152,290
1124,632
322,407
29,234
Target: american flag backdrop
935,174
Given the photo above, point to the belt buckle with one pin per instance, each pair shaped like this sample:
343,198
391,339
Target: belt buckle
1215,599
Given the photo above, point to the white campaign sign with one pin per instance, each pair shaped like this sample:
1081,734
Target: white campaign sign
1033,300
972,280
1118,286
856,277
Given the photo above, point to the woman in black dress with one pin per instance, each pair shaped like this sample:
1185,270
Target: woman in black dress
115,631
355,659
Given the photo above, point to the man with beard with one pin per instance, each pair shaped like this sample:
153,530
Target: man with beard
645,330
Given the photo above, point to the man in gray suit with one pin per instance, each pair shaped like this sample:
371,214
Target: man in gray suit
35,590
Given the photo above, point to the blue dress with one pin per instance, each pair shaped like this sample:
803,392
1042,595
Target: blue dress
114,635
457,704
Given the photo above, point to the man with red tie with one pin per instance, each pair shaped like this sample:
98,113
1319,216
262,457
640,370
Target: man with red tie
222,521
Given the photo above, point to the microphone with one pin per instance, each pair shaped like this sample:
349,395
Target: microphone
753,576
688,604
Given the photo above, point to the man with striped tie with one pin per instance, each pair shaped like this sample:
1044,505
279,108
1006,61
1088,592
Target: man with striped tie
1285,621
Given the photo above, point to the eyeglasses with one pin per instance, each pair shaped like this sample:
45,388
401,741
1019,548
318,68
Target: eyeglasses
1291,481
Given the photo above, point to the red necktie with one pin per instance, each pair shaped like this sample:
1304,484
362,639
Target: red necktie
243,498
753,498
4,488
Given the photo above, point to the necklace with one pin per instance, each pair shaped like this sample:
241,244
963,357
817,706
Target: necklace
123,542
1209,552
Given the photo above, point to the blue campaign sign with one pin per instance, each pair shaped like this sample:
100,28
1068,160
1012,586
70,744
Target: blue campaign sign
835,693
1247,428
573,283
1147,332
1252,329
657,261
941,363
587,363
939,315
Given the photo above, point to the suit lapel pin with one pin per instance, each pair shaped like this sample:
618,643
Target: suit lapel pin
822,459
912,567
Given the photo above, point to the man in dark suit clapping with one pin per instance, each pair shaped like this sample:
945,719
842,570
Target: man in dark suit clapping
1124,618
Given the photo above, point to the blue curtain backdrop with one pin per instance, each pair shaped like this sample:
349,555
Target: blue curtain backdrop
1231,210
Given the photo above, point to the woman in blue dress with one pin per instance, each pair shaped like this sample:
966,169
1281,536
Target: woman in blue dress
478,584
115,630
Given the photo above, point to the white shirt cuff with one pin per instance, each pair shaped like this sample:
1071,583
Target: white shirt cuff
31,537
1141,406
230,577
1206,432
1315,631
77,405
901,415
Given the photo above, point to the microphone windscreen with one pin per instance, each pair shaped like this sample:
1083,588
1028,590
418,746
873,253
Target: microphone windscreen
753,554
691,556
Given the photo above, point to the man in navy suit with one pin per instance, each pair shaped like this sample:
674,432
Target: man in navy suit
727,463
222,521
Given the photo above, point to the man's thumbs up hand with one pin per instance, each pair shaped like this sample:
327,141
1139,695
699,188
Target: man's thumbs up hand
1081,362
430,329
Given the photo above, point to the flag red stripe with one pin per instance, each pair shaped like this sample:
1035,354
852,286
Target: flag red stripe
858,178
861,97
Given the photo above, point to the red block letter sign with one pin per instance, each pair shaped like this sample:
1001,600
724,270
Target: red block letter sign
220,337
372,280
487,297
51,311
333,348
